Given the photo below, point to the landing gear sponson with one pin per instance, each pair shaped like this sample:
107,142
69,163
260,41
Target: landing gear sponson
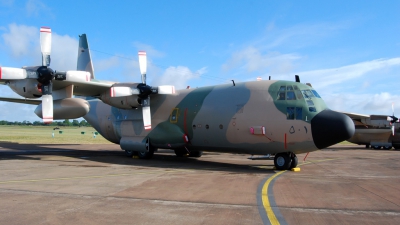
285,161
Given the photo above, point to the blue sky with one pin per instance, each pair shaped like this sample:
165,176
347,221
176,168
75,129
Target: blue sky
348,50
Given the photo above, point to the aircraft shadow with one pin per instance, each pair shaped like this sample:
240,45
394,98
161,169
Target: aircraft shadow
164,159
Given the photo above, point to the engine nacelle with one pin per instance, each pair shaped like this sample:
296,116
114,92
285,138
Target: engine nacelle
67,108
27,88
126,102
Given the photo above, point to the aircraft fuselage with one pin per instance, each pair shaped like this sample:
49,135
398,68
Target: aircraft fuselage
261,117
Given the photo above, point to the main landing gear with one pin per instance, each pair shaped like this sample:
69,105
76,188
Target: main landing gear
285,161
142,155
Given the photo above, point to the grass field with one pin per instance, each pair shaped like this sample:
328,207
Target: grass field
43,135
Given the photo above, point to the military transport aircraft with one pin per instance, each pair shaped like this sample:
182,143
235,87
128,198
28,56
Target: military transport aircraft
282,118
376,131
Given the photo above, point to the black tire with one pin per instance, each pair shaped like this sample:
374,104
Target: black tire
181,152
377,147
367,146
282,161
129,153
294,163
196,154
387,147
146,155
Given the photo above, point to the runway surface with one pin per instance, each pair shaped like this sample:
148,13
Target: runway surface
97,184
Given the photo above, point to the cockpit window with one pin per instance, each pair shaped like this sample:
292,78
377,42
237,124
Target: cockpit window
282,88
307,94
316,94
281,95
290,95
294,113
289,88
295,87
298,94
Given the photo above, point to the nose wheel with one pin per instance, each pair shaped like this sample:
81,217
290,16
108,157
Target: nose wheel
285,161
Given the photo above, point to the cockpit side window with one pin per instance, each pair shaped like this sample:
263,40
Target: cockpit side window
316,94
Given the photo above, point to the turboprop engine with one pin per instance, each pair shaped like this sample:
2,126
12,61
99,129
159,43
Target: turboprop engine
67,108
27,88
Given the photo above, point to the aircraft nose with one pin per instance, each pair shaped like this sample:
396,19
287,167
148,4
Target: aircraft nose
329,127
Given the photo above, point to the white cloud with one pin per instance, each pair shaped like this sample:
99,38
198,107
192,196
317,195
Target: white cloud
178,76
378,104
105,64
329,77
22,40
252,59
149,49
23,43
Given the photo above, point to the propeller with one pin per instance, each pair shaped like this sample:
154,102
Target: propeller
143,91
392,119
44,75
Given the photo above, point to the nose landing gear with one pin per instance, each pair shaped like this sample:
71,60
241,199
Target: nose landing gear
285,161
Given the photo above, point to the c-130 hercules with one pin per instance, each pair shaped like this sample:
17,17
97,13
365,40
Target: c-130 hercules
282,118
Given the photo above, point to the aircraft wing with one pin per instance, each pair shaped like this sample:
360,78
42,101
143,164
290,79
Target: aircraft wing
355,115
22,100
90,88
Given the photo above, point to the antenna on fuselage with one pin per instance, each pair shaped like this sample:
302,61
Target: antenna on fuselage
269,78
297,78
233,83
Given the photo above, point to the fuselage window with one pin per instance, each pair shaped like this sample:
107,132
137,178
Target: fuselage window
310,102
299,113
290,113
312,109
290,95
316,94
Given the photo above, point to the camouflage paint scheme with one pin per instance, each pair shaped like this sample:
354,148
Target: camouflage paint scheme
282,118
215,118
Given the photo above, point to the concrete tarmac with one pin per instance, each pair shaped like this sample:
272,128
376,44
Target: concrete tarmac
98,184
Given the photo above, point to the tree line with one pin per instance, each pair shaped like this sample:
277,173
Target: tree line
67,123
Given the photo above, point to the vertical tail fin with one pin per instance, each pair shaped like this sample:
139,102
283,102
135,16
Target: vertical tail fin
84,58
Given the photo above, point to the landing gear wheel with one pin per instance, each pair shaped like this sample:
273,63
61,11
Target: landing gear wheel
367,146
146,155
196,154
387,147
282,161
377,147
180,152
294,161
130,153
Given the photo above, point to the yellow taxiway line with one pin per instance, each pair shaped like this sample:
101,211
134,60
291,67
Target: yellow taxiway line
264,193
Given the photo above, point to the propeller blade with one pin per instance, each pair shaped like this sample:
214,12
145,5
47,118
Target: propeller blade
146,113
9,73
392,108
166,90
47,108
143,65
72,75
393,129
45,45
120,91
